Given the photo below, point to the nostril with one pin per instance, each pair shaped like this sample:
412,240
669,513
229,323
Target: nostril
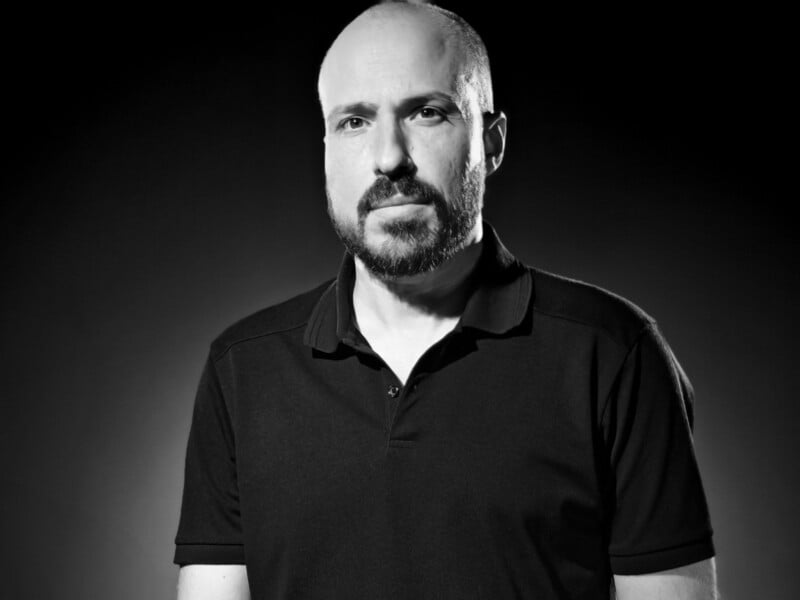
398,170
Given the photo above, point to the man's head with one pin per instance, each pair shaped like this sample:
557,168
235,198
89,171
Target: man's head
409,136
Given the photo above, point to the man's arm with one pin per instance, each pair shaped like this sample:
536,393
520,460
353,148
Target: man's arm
213,582
697,581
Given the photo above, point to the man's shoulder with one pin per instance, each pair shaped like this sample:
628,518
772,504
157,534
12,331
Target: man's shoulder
571,300
288,315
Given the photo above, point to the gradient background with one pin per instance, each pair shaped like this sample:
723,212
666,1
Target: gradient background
162,180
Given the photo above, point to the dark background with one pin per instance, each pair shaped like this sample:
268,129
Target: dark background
163,178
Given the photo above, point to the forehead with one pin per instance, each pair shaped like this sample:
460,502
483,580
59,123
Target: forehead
381,60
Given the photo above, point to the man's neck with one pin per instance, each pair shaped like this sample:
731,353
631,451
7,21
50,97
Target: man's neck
402,318
440,294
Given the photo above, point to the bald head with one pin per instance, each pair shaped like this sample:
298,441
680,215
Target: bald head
432,35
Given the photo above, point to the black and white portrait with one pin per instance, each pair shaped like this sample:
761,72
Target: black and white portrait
467,300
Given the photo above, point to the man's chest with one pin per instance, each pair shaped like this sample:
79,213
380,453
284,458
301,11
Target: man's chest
469,469
517,440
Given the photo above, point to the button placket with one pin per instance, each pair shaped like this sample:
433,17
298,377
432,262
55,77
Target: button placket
394,393
405,394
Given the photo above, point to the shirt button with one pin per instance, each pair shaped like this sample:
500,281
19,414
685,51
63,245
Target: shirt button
393,391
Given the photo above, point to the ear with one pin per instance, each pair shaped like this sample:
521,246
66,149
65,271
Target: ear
494,139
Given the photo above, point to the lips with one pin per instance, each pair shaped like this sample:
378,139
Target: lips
396,200
404,191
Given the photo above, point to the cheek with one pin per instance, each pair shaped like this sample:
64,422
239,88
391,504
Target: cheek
345,175
333,168
444,160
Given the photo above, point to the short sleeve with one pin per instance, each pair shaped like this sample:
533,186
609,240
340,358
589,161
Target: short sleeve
210,530
660,515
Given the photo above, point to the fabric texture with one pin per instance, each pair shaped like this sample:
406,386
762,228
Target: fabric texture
540,447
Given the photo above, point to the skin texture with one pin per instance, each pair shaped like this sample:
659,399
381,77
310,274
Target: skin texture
697,581
213,582
399,97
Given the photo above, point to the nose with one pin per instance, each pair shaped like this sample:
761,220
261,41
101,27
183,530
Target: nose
392,158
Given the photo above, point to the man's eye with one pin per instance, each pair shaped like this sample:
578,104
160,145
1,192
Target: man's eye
352,123
429,113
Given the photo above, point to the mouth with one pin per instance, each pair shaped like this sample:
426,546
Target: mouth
396,200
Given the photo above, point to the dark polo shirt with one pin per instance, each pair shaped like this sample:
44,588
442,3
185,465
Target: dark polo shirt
542,445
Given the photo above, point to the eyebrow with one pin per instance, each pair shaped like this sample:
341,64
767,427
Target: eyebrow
369,109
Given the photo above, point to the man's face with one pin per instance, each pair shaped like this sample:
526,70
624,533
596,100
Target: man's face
403,147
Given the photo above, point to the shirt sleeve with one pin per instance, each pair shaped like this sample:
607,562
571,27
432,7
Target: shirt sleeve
210,530
660,515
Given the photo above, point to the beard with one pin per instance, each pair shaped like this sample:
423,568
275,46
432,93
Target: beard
415,245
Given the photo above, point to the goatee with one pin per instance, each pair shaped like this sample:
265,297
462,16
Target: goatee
420,246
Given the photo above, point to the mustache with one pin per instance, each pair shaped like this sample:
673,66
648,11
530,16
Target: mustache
384,188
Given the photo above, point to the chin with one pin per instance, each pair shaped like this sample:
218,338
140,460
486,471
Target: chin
412,231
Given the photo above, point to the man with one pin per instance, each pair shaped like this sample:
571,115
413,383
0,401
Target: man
440,421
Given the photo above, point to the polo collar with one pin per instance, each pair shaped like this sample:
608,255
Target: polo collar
499,302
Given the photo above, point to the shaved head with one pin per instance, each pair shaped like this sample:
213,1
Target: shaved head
472,67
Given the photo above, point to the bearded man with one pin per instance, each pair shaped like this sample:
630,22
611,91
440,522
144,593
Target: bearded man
440,420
